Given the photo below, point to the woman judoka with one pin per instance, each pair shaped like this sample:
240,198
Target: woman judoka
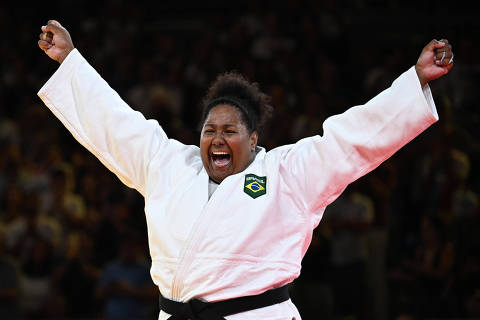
228,222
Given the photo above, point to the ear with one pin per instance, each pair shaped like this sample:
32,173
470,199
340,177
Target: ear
253,140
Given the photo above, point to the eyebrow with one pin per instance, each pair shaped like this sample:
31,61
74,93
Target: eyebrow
225,125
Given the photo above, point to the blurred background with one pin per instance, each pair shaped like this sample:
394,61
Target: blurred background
401,243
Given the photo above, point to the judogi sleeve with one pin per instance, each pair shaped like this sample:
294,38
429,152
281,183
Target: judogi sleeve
97,117
355,142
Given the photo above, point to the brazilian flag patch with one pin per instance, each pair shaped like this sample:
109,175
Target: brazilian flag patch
255,186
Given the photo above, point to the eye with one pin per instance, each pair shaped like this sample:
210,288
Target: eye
208,131
230,131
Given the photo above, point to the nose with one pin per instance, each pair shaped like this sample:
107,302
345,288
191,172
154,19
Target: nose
218,140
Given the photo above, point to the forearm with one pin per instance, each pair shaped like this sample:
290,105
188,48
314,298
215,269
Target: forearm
358,140
101,121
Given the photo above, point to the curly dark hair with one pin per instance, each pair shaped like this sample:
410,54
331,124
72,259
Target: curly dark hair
234,89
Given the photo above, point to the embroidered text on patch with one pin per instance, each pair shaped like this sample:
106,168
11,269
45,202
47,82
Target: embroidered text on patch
255,186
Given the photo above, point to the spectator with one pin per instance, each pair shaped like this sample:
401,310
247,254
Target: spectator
63,203
9,283
76,277
125,287
427,275
350,218
36,280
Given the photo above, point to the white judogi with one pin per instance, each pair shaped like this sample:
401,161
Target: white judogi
233,244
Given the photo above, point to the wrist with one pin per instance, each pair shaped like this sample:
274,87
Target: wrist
421,77
62,57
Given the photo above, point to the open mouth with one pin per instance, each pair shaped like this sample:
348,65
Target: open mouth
221,159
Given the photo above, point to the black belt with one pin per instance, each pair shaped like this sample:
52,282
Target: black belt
200,310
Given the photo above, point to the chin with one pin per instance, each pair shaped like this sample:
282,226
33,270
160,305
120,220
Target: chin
219,177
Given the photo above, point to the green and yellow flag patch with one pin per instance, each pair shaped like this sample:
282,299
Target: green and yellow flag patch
255,186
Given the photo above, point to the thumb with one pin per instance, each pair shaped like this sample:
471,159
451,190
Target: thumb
55,22
53,27
438,44
432,45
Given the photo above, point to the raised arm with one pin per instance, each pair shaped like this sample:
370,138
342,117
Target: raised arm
121,138
357,141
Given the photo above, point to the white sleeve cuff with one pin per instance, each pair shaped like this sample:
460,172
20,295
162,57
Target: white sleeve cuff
428,97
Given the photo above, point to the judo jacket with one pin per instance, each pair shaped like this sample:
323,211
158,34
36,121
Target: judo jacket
252,233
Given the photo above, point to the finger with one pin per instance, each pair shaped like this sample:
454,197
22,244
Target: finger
52,28
44,45
430,46
446,47
438,44
444,59
450,61
55,22
446,68
46,36
444,41
444,56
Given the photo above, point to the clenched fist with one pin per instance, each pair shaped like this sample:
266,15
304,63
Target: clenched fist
55,40
435,61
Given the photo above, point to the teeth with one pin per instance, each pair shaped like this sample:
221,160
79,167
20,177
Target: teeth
219,153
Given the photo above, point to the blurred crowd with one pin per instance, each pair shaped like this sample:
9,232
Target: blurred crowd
400,243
